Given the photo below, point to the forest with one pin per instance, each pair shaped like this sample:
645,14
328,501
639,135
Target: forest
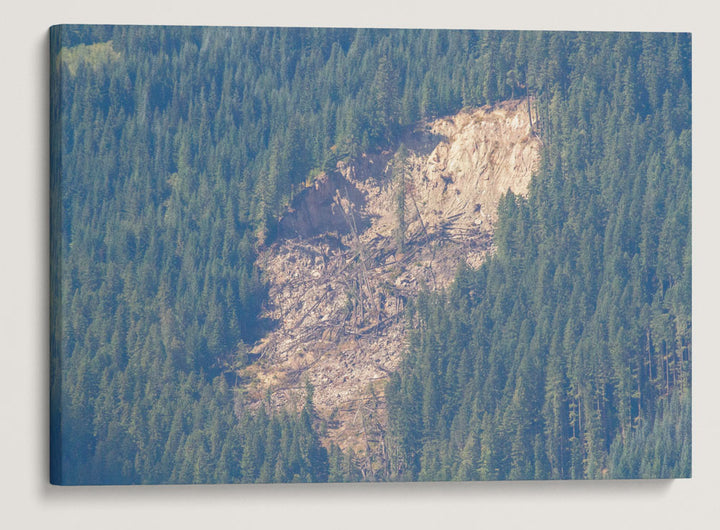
174,151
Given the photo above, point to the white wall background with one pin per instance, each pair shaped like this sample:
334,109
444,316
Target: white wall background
26,499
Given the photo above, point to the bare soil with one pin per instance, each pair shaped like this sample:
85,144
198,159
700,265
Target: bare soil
339,281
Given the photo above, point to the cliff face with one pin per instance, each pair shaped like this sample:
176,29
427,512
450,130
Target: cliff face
339,278
315,211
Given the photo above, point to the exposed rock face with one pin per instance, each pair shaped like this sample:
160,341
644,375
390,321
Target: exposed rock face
315,209
339,281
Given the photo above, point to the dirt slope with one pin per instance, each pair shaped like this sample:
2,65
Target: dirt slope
339,282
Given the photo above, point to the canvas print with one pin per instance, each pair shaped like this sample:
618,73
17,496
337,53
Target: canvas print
341,255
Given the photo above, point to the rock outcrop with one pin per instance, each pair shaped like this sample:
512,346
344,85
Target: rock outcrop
315,209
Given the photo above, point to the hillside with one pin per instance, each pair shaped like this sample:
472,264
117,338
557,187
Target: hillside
236,212
339,279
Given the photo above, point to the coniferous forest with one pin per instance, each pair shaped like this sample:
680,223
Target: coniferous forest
175,150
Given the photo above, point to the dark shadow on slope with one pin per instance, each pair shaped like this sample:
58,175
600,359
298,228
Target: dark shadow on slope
316,210
423,141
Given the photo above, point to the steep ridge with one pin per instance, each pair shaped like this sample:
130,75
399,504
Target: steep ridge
340,275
